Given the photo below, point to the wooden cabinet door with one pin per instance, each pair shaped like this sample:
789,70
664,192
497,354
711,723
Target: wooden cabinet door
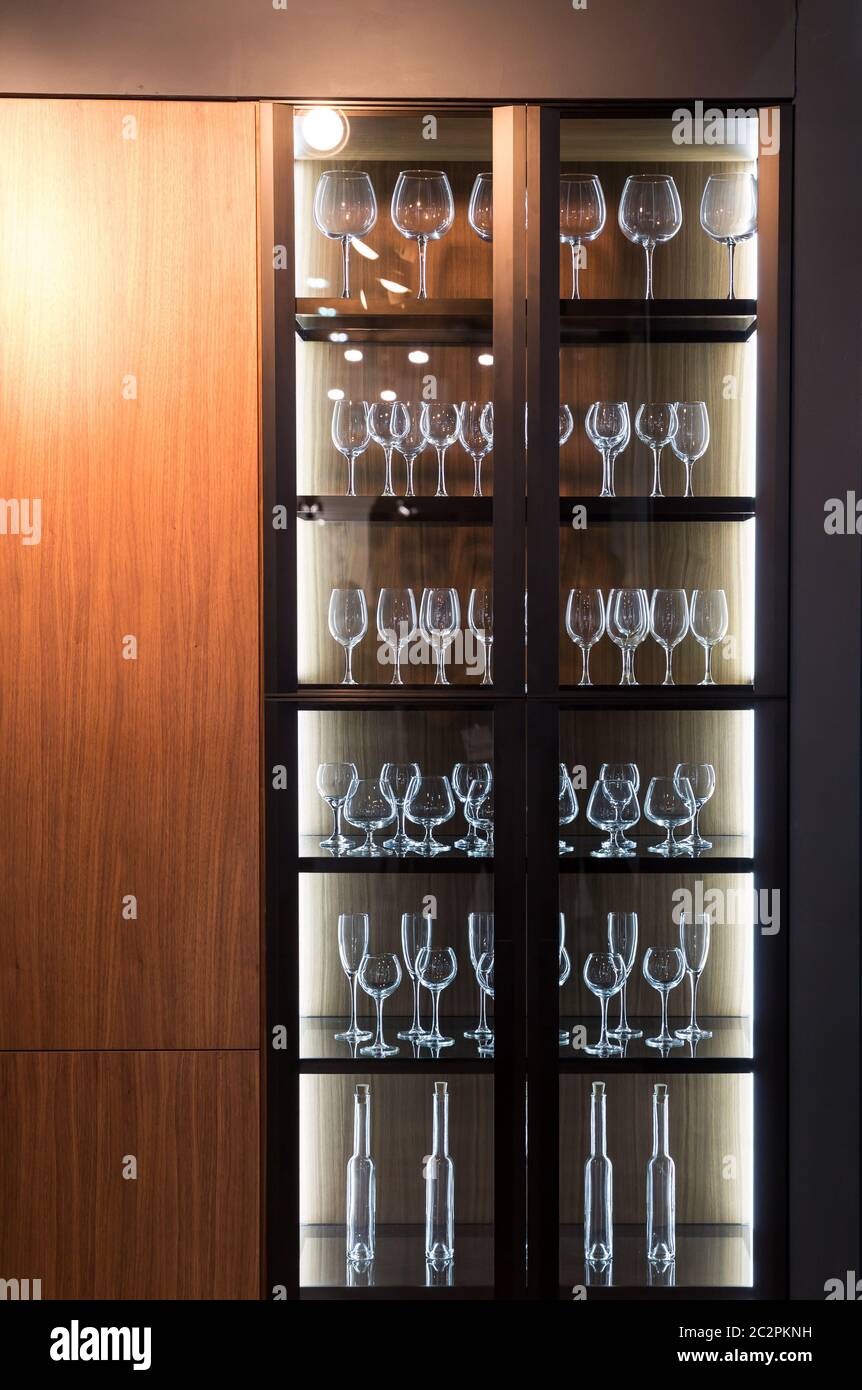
130,1175
129,651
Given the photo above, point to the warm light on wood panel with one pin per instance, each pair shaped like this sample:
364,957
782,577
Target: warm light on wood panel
128,404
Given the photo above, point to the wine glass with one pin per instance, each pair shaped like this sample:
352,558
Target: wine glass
369,807
480,210
608,426
486,422
709,624
348,624
669,802
397,779
694,946
380,976
413,442
344,207
582,216
479,812
567,423
604,976
602,813
430,803
691,438
423,210
474,439
350,435
388,424
397,624
663,968
728,213
352,950
626,772
415,937
436,968
585,624
480,615
650,213
439,621
568,806
485,976
463,777
441,425
623,941
656,426
565,970
335,782
668,623
701,779
627,626
480,939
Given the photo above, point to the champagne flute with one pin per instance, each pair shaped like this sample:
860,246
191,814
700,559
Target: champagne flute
415,937
352,950
694,946
441,425
691,437
668,623
623,940
480,940
344,207
423,210
582,217
439,621
728,213
397,624
585,624
480,615
656,426
709,621
388,424
474,440
348,624
350,435
480,211
649,213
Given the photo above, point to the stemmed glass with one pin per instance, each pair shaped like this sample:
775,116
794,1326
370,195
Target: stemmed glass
694,946
620,791
480,938
604,976
413,442
668,623
352,950
350,435
369,807
430,803
474,439
691,439
388,424
568,806
480,210
436,968
486,422
656,426
396,624
479,813
585,624
423,210
567,423
709,624
582,216
663,968
602,813
415,937
335,782
623,941
480,615
565,970
608,426
485,976
397,779
669,802
380,976
728,213
701,779
625,772
348,624
441,425
344,207
650,213
627,626
463,777
439,621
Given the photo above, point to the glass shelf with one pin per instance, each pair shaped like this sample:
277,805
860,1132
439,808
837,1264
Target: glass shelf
730,1042
312,858
708,1256
316,1040
399,1260
729,853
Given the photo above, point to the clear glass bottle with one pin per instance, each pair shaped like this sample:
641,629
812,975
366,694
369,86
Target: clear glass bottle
661,1186
440,1185
598,1187
361,1185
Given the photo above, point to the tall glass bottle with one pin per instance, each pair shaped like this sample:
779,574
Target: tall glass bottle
440,1185
361,1184
660,1186
598,1186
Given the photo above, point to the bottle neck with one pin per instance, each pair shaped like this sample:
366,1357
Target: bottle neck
659,1126
362,1126
440,1134
598,1133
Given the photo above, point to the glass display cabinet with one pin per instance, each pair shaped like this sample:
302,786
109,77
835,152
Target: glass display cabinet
525,576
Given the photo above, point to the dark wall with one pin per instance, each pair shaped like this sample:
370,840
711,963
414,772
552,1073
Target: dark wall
438,49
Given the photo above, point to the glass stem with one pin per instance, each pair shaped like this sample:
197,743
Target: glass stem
606,470
345,267
378,1041
576,266
612,459
649,247
603,1036
707,678
351,475
731,247
477,475
396,679
435,1029
585,668
336,811
488,647
410,461
348,667
689,465
694,983
483,1015
656,472
422,243
695,825
416,1024
628,667
624,1021
664,1035
441,472
388,490
668,664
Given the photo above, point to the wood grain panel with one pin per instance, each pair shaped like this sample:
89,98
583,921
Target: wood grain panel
185,1228
322,897
669,555
659,739
710,1123
725,986
400,1137
724,375
369,738
130,258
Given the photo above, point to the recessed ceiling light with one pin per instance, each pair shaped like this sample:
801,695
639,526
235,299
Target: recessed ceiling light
324,129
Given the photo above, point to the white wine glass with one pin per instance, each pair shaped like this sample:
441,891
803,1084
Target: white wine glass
413,443
423,210
350,435
585,624
480,616
441,426
608,426
668,623
694,929
701,779
728,213
474,440
348,624
335,782
352,949
709,620
436,968
439,622
649,213
663,968
604,975
628,625
380,976
480,210
344,207
582,217
388,424
397,625
691,438
655,426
